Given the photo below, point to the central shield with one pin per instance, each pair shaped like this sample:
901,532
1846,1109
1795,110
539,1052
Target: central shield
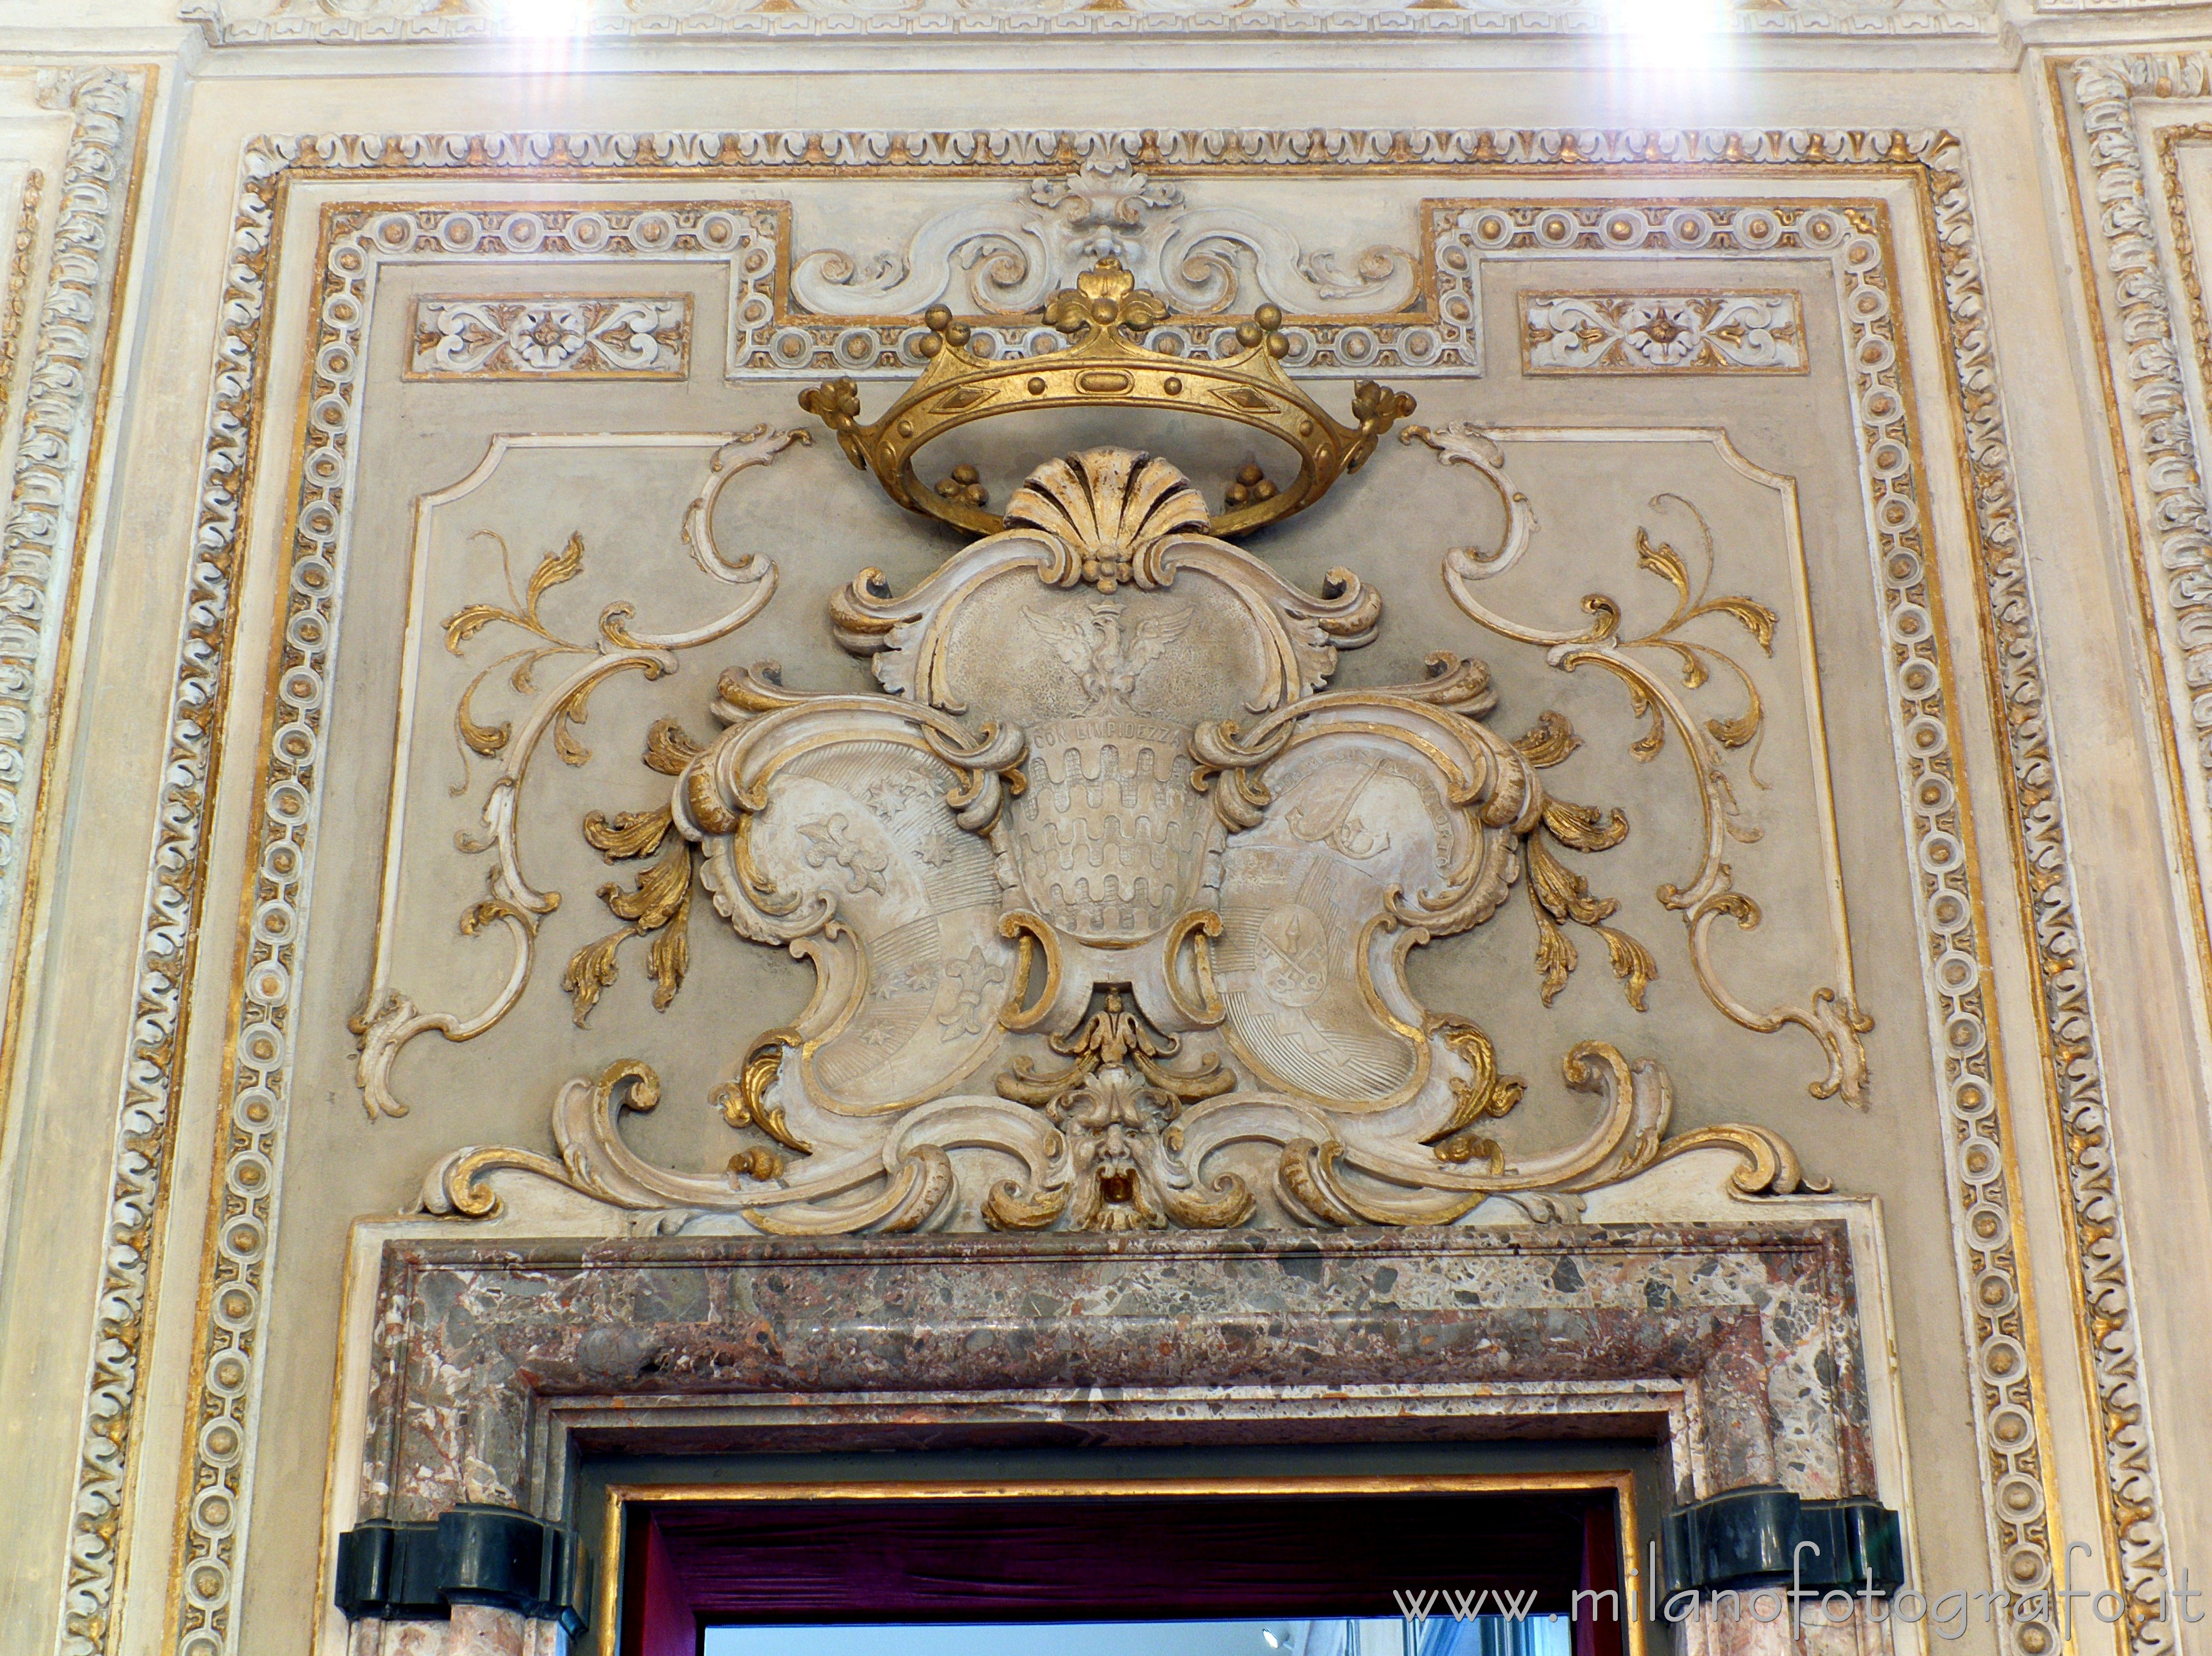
1109,837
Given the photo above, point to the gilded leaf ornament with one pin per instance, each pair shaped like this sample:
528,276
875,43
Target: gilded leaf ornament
390,1018
1661,696
1109,891
1065,915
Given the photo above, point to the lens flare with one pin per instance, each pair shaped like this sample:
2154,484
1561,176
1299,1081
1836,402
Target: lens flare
1669,19
543,18
1695,37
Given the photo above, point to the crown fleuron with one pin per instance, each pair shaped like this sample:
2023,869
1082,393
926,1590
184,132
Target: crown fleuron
1106,315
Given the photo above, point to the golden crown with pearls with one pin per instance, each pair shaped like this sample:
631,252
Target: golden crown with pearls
1106,315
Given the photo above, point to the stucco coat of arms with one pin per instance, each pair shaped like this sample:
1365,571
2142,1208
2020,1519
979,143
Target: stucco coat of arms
1110,893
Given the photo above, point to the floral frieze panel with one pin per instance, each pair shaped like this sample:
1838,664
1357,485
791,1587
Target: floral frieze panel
1661,333
553,337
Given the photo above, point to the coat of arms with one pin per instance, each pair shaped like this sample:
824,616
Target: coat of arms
1109,891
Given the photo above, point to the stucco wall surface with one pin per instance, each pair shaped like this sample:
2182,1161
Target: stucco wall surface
1853,352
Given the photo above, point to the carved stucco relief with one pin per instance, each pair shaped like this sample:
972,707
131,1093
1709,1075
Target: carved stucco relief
19,255
1070,900
1661,333
971,868
2134,202
552,337
1410,309
59,325
2140,173
243,21
1408,305
229,1354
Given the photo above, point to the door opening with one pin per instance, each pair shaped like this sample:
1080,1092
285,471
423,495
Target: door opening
1526,1564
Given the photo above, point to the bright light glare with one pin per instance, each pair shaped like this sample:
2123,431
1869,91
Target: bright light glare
1692,37
1669,18
544,17
1274,1643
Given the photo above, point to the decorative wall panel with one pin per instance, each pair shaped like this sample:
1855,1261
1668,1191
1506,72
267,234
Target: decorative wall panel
1711,904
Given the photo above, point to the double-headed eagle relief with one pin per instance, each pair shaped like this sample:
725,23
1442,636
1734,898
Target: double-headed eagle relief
1108,892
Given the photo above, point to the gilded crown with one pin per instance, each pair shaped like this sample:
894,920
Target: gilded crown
1106,315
